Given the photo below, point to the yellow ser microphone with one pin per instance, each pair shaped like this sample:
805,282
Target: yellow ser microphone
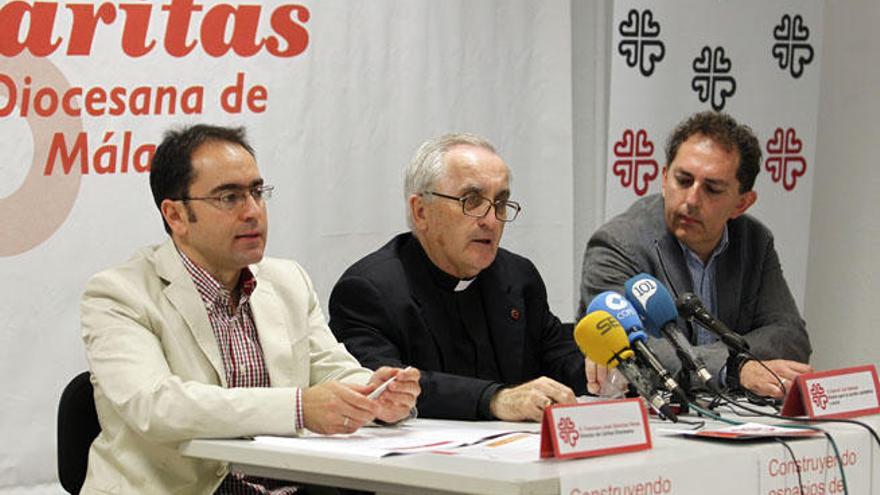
602,338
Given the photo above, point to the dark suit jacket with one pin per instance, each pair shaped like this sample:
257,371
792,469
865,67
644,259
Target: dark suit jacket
385,310
753,297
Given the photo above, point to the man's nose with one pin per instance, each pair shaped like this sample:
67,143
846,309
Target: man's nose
252,207
692,195
489,220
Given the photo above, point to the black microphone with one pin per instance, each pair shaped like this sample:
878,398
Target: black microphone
691,307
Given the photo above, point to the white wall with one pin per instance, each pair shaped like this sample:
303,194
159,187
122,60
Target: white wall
842,273
590,36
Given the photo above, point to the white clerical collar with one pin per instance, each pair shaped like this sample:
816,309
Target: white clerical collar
464,284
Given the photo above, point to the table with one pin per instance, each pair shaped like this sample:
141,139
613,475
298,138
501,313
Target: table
690,465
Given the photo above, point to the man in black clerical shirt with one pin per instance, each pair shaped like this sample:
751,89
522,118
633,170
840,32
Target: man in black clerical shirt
444,298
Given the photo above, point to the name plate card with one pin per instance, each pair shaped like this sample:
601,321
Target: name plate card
839,393
594,429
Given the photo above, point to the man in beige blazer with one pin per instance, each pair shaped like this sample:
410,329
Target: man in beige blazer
202,337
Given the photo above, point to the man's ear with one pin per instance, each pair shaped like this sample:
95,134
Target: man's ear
417,211
746,200
175,216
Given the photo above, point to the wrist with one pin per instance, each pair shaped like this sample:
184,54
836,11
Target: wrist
735,363
488,405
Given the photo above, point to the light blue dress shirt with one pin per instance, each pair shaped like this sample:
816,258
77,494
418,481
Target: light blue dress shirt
703,278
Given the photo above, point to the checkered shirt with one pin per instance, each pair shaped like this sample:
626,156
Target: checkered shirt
236,334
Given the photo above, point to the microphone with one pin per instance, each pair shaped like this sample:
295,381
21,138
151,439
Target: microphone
656,307
625,314
691,307
600,337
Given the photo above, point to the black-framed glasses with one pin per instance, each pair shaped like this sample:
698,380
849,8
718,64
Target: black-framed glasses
235,199
474,205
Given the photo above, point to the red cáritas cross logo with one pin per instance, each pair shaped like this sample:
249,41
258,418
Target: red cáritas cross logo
785,160
634,161
818,396
568,431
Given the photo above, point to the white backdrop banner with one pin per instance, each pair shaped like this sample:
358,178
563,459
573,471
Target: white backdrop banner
756,60
336,97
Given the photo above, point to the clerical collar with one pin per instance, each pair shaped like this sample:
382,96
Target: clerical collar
442,279
446,281
464,284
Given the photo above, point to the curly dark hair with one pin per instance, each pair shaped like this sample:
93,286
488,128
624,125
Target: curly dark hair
171,170
729,134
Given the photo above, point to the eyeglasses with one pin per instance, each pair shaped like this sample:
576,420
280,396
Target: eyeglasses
233,200
474,205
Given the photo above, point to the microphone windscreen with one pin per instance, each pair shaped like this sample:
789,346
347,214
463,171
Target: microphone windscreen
652,301
621,309
689,304
600,337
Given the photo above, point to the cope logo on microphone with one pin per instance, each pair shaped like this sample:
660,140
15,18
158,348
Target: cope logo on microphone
643,290
606,325
618,303
615,301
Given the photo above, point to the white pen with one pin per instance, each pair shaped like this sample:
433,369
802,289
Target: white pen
381,388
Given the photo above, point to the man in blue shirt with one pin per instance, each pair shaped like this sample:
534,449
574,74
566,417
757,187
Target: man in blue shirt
696,237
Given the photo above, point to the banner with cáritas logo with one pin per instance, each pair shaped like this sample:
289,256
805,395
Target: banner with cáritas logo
758,61
335,95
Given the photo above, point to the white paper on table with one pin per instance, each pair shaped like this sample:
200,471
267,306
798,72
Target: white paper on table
517,447
381,442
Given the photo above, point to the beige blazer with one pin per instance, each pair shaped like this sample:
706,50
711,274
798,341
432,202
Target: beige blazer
159,378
